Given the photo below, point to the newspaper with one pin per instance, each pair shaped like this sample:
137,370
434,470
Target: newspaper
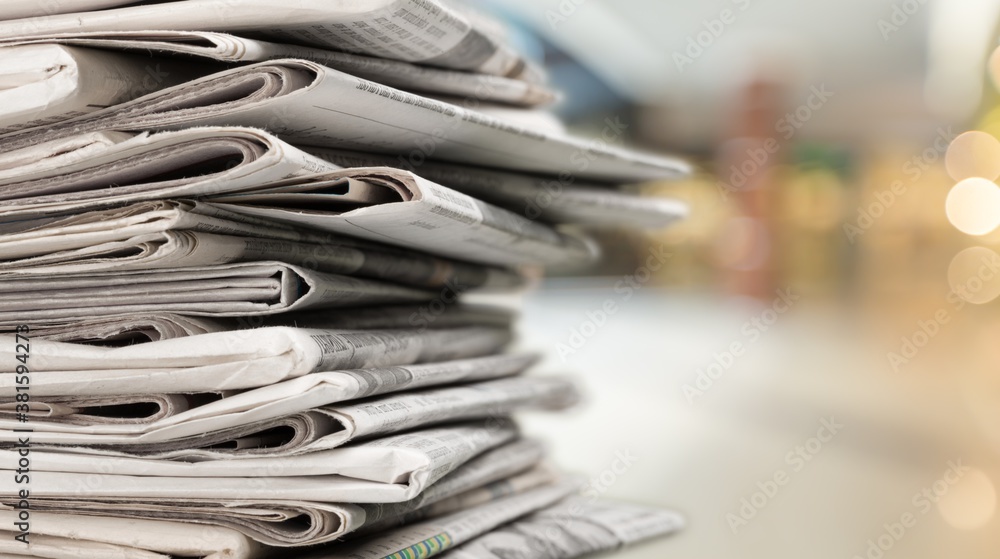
46,83
410,410
171,233
191,162
378,204
184,249
426,31
546,199
133,409
309,104
432,537
300,523
506,469
224,47
233,360
573,528
70,536
459,314
388,470
152,327
186,415
236,436
242,289
424,216
127,329
532,118
61,151
17,9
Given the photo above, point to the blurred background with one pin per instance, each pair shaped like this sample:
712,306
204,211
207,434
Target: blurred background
809,365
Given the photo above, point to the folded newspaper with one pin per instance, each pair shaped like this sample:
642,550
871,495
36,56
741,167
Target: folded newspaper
562,200
564,530
430,32
102,414
192,162
387,470
223,47
319,427
236,241
508,469
130,329
45,83
174,233
574,528
306,103
244,289
424,215
289,186
232,360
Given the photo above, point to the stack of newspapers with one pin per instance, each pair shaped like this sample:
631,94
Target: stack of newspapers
236,238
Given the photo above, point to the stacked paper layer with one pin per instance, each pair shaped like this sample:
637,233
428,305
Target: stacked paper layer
235,238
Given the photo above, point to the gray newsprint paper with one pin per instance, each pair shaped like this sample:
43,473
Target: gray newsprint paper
44,84
280,183
506,470
421,214
234,360
392,469
236,436
431,537
430,32
243,289
561,200
125,329
310,104
103,169
573,528
223,47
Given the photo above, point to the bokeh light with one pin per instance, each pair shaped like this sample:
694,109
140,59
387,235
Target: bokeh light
972,275
973,206
994,67
973,154
971,503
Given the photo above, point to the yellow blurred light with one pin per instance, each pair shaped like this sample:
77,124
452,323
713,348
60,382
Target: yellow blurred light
971,503
971,275
973,154
994,67
973,206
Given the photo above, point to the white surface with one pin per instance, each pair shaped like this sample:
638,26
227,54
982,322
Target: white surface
702,459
